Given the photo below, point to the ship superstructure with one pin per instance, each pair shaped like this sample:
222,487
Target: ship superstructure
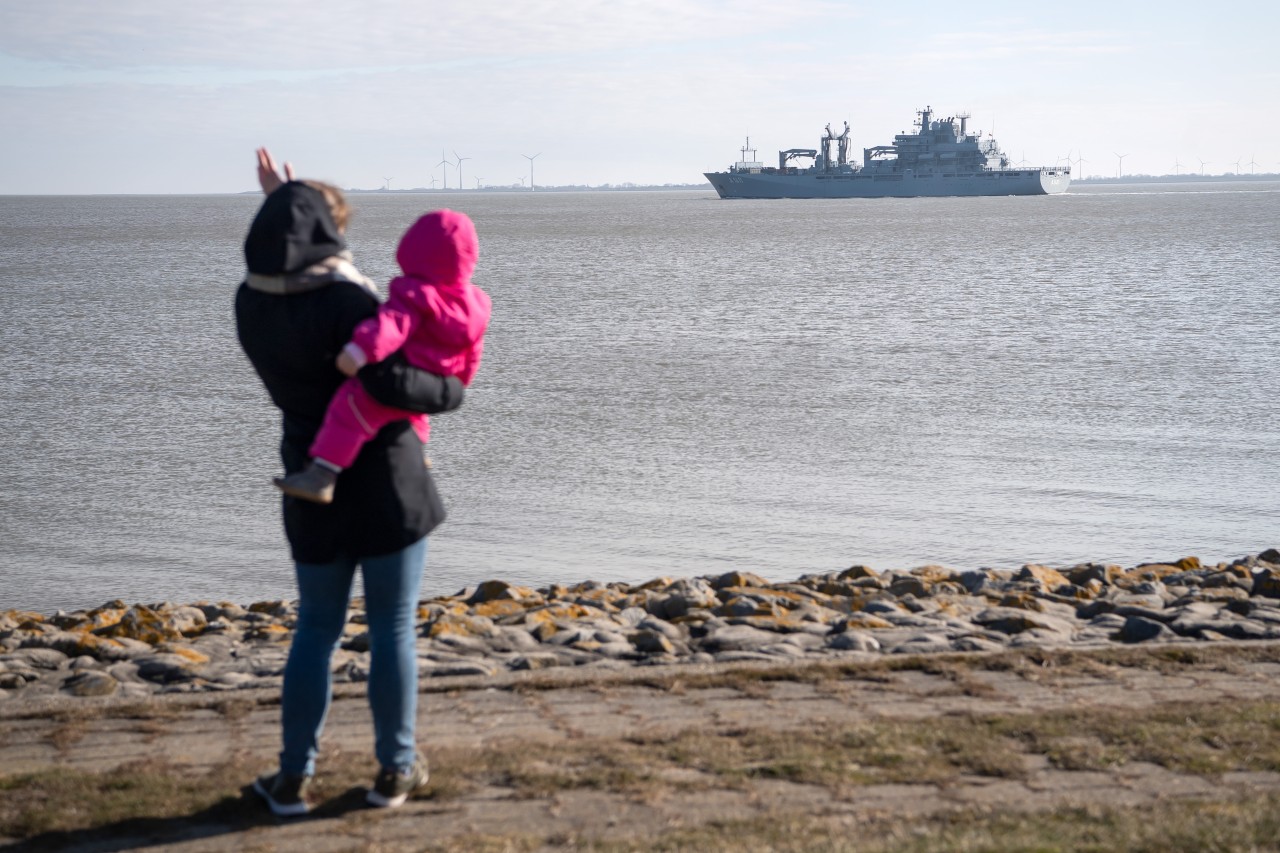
941,158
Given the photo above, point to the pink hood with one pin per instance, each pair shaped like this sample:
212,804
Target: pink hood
441,247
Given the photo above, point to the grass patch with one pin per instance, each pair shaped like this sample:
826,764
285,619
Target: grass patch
65,800
1246,826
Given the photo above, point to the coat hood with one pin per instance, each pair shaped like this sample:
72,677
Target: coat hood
292,231
441,247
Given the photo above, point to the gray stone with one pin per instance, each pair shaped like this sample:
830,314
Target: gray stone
922,644
620,651
1139,629
976,643
513,639
89,683
661,626
543,660
881,606
165,668
734,638
39,658
854,641
471,668
651,642
632,616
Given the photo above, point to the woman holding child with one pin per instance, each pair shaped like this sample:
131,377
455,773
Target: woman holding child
296,313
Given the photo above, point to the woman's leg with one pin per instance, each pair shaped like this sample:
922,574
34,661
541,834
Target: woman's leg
323,592
391,585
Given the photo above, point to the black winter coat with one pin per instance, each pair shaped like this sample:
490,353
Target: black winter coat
386,500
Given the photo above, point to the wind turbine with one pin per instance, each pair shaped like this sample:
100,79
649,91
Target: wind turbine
477,183
460,159
1203,163
433,183
1120,168
1252,165
386,185
1177,167
532,186
1237,167
1080,161
445,171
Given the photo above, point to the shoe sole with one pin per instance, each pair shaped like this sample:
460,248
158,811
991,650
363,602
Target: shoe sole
314,497
373,798
277,808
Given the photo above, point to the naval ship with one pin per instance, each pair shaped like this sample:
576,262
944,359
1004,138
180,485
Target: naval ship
941,158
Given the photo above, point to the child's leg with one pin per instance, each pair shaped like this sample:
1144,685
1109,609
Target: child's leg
353,417
422,426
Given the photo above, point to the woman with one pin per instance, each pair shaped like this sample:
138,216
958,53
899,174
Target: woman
294,313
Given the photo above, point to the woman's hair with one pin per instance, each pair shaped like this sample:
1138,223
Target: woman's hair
337,201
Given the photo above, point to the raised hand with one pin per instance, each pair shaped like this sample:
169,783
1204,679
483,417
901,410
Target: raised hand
268,172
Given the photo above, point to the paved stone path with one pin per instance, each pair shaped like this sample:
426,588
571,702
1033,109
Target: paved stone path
519,709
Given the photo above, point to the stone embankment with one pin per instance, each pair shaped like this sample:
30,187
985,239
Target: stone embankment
140,650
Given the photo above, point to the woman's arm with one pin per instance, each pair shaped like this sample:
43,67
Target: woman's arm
394,382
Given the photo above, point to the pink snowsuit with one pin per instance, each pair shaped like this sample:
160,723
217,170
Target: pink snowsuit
434,314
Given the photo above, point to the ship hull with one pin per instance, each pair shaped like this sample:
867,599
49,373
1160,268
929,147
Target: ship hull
864,185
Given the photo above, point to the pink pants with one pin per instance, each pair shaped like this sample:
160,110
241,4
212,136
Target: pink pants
354,417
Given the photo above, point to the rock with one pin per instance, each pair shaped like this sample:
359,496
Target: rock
1267,583
737,579
666,629
857,572
90,683
1138,629
733,638
165,668
975,643
922,644
535,661
908,585
737,606
632,616
1010,620
883,606
681,596
511,638
854,641
494,590
651,643
39,658
866,621
470,668
1048,578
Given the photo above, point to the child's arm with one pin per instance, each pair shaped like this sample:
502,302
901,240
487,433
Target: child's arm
378,337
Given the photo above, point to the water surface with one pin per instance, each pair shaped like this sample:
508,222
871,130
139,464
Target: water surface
674,384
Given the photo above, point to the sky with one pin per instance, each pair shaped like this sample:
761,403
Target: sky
152,96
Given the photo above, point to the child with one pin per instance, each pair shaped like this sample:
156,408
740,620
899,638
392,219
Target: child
434,314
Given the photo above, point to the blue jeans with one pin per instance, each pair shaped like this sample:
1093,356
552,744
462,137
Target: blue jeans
391,584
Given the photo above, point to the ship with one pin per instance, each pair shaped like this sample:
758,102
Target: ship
941,158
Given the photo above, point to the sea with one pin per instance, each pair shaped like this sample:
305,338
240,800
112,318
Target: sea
673,385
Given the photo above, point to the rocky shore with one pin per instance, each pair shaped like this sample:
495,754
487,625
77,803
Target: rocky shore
140,650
